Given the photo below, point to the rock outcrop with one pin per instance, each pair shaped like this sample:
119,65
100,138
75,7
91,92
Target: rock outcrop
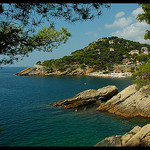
31,71
130,102
88,97
136,137
72,70
39,70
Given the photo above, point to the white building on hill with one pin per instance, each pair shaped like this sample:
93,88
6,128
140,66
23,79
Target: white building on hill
144,50
134,52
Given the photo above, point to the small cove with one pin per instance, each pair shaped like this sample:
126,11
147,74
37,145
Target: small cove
27,119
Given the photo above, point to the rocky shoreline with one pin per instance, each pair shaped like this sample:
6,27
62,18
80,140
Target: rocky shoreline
39,70
88,97
130,102
138,136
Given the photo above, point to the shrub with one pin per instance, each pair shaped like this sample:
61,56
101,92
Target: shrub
142,76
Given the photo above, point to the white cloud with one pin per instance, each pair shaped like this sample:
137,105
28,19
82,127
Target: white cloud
135,32
122,22
137,11
130,28
120,14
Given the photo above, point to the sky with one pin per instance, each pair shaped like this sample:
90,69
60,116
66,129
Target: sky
119,20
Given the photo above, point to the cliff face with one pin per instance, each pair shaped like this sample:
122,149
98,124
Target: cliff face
129,103
36,70
136,137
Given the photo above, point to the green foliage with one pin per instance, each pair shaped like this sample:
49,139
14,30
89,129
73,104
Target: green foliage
143,58
132,69
140,82
38,63
142,75
145,17
61,68
16,43
36,13
83,66
90,56
49,38
106,72
147,35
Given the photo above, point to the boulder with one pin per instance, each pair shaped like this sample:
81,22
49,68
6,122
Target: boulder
139,138
130,102
88,97
136,137
110,142
126,137
107,92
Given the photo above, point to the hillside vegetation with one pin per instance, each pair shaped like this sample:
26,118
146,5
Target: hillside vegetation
101,55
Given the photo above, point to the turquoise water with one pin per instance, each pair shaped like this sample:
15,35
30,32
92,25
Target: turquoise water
27,119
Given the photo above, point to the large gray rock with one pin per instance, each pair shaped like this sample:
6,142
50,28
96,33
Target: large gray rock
136,137
88,97
142,137
130,102
112,141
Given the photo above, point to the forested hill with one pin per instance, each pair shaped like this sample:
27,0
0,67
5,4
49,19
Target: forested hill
102,54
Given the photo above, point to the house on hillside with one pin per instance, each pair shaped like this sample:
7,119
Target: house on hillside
111,49
134,52
111,42
125,61
98,50
137,62
124,56
144,50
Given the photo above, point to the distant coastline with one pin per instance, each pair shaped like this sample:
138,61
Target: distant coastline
110,57
39,70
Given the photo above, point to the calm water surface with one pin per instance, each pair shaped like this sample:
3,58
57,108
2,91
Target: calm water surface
27,119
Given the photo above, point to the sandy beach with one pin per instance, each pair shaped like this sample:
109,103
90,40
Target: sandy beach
110,75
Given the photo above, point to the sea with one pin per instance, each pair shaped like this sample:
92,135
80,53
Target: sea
28,120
